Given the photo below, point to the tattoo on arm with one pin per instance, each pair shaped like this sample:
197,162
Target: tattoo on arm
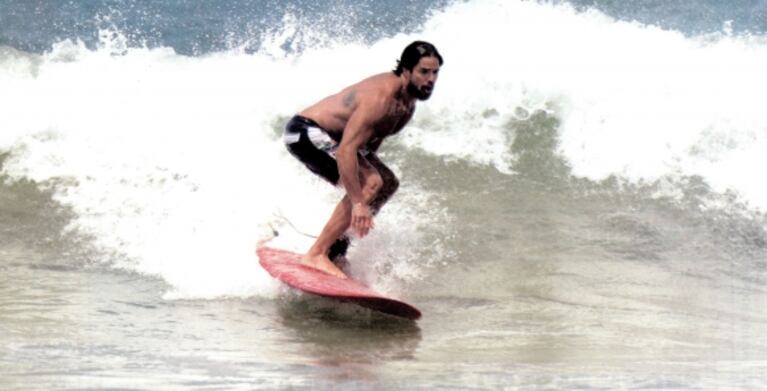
349,98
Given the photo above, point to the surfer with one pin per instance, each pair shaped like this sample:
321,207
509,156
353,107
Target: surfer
337,139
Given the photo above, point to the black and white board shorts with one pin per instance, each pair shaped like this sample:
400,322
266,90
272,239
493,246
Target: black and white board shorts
314,147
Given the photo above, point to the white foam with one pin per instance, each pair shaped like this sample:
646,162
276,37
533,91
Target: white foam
634,101
174,166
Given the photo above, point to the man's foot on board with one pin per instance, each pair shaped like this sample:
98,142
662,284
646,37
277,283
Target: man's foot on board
323,263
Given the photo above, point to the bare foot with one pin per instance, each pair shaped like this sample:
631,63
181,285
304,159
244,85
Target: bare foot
323,263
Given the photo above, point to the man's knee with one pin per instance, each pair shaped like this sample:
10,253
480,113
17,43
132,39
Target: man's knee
390,185
373,184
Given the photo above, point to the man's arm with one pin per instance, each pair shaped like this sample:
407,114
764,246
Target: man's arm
359,130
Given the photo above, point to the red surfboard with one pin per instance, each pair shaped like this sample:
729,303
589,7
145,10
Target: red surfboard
286,266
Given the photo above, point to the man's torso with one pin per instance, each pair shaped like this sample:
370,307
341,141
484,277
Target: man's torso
333,112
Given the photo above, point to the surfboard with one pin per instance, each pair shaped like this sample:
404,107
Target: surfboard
286,266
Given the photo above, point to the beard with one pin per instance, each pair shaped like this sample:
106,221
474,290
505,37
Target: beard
422,93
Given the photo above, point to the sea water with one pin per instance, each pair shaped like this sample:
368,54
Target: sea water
581,202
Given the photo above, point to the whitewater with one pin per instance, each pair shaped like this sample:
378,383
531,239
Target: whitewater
580,207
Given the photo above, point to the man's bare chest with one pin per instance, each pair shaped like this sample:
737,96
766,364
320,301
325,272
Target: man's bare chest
394,120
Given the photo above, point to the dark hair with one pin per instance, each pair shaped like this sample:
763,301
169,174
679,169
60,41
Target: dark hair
413,53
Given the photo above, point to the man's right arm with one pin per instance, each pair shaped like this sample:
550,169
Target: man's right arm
359,130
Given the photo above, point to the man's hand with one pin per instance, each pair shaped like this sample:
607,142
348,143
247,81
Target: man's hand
362,219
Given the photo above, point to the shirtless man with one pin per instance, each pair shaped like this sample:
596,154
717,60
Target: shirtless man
337,139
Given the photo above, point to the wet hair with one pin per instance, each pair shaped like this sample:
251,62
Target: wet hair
414,53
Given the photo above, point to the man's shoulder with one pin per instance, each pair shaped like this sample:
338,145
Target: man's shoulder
381,87
379,81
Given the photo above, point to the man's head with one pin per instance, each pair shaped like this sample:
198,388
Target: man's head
419,64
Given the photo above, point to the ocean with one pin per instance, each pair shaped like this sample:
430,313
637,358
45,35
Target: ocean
580,203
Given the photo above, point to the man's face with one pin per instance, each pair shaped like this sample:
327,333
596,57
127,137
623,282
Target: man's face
423,77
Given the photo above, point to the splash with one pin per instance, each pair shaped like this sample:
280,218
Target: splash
175,168
173,164
634,101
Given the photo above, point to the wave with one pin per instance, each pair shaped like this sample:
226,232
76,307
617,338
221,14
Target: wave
173,164
634,101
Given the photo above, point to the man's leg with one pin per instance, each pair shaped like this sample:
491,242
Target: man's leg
338,249
339,222
390,185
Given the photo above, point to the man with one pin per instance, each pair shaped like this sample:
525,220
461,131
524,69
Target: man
337,139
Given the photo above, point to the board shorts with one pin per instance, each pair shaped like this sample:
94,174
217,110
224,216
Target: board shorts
315,147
